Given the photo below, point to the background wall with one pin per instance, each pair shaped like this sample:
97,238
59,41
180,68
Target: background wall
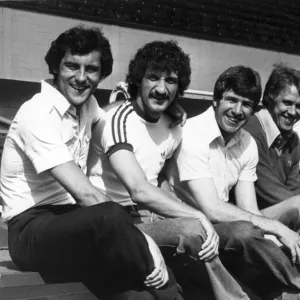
26,36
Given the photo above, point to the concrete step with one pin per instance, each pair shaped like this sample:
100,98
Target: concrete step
63,291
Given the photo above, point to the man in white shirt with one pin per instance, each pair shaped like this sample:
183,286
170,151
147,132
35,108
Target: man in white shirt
56,221
217,155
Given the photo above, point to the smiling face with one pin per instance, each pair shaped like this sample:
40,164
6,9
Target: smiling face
285,111
78,76
156,92
232,112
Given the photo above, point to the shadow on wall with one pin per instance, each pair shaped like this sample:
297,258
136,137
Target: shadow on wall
15,92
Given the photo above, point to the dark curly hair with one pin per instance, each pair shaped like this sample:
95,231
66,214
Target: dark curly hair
281,77
242,80
80,40
160,57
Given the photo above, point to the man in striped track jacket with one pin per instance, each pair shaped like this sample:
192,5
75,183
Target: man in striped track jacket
128,150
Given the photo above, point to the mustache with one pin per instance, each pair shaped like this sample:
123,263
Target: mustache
159,96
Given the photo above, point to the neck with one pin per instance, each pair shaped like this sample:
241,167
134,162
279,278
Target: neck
226,136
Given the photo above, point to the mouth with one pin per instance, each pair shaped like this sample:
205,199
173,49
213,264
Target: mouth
288,120
79,89
234,121
160,100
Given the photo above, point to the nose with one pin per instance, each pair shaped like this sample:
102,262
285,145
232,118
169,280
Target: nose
161,86
238,110
81,75
292,110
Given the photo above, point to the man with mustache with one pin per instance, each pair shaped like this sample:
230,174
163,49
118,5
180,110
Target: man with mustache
216,157
278,184
57,221
129,148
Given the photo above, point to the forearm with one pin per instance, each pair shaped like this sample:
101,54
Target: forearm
90,196
227,212
163,203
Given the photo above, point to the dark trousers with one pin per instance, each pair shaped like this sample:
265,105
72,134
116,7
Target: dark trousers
256,261
98,245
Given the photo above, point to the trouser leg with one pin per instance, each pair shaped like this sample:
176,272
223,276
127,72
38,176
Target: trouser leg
185,236
286,212
246,243
98,242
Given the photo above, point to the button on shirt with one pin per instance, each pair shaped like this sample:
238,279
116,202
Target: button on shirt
45,133
203,154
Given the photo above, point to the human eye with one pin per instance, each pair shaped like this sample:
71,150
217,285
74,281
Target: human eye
248,104
71,66
92,69
231,99
152,77
171,80
287,102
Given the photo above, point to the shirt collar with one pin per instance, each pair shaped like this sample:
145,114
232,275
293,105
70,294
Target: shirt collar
56,98
215,133
272,131
268,125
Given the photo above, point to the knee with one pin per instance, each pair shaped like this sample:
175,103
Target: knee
191,236
291,218
242,233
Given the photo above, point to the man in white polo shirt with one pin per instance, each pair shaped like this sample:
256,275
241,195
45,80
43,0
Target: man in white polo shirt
55,222
216,156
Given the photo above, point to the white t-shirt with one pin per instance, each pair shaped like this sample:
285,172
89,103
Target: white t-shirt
45,133
203,154
122,128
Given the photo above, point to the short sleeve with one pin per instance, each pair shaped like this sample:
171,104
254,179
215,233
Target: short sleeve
42,141
248,172
192,159
111,135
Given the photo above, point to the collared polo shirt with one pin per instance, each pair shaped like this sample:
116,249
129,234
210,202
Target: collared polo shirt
203,154
45,133
278,166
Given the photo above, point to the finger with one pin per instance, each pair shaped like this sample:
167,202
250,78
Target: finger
161,282
209,255
205,251
157,281
153,275
175,123
165,279
209,239
184,118
213,247
297,254
293,254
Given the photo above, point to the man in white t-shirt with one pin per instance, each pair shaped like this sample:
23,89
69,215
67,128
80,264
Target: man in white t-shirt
129,148
216,156
57,222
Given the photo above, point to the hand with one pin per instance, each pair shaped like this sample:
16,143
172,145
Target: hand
159,276
177,114
291,240
273,238
210,248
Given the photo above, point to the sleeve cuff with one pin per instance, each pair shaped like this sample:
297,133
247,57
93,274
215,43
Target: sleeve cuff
53,159
119,146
